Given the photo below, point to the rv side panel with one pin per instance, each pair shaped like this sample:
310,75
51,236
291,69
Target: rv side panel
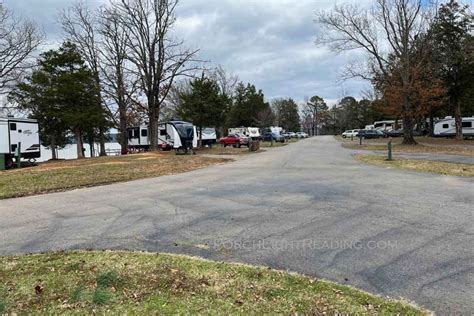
4,137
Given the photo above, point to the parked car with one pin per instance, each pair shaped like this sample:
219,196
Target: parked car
293,135
234,140
301,135
267,137
370,133
286,135
350,133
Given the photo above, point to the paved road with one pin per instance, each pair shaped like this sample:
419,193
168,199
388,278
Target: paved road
306,207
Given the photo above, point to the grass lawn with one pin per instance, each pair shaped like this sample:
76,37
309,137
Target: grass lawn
144,283
444,168
221,150
420,148
72,174
275,144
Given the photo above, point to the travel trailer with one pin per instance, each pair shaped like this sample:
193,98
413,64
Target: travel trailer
209,136
251,132
176,135
14,131
447,127
385,125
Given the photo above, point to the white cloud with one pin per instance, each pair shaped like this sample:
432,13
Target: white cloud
269,43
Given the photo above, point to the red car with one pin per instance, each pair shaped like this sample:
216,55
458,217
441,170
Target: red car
234,140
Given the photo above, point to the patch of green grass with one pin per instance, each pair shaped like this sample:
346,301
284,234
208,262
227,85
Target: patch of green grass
73,174
107,279
438,167
101,296
143,283
77,293
3,306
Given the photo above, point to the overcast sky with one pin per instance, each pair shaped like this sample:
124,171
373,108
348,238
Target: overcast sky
269,43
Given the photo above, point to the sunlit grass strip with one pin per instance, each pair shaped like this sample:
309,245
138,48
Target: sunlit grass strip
438,167
125,282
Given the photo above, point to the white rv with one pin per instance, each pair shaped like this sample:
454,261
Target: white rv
447,127
385,125
14,131
171,135
251,132
209,136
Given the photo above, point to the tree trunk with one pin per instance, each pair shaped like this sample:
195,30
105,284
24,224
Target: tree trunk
54,156
408,138
458,119
123,130
431,127
80,146
153,128
91,146
200,137
102,142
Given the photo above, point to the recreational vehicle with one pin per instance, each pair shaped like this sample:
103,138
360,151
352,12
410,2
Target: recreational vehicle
176,135
209,136
447,127
384,125
23,132
251,132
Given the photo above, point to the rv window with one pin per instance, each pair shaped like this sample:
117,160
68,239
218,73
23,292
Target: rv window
466,124
13,126
162,132
445,125
144,133
130,134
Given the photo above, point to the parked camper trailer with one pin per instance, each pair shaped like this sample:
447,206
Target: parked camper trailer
209,136
384,125
251,132
14,131
176,135
447,127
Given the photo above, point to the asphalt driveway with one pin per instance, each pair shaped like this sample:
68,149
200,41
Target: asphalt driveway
307,207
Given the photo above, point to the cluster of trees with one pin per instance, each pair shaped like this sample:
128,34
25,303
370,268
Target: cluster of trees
219,100
419,57
116,66
348,113
120,65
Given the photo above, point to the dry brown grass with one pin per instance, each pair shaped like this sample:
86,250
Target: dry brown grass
420,148
71,174
438,167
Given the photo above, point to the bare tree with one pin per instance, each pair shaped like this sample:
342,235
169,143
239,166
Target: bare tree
157,57
388,34
19,39
80,24
227,81
117,81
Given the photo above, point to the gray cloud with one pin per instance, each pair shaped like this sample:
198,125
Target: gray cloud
269,43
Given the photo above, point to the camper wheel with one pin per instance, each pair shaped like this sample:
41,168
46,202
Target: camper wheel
9,163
